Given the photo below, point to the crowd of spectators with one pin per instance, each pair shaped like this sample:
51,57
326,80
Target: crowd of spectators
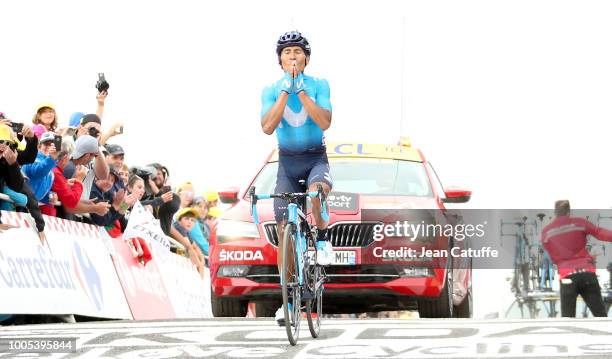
73,172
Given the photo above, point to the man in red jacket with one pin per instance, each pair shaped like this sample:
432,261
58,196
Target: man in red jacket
565,239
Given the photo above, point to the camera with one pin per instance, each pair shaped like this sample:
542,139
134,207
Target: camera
94,132
17,127
102,85
145,172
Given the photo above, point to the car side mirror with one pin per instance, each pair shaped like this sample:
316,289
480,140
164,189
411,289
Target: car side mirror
456,195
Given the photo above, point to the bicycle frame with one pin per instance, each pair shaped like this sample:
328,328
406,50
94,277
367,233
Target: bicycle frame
295,216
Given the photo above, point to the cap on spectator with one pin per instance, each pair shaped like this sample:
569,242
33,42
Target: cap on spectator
2,115
75,119
184,186
211,196
47,136
5,133
114,149
187,210
45,105
214,212
90,117
84,145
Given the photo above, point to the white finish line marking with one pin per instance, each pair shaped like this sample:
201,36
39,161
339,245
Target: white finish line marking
416,333
339,339
267,334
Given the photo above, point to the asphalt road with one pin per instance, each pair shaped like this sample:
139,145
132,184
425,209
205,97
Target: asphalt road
371,338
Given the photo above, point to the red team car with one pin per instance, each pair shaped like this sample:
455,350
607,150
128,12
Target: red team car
370,181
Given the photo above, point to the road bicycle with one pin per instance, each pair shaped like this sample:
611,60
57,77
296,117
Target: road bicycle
301,277
533,270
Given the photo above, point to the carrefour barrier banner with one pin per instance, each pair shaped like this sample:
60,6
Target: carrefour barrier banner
142,284
72,273
189,293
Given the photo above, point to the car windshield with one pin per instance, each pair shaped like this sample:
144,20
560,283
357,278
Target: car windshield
365,176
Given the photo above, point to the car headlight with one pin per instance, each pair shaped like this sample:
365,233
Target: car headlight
230,230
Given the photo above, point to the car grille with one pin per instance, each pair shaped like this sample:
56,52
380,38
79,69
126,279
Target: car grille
335,274
341,234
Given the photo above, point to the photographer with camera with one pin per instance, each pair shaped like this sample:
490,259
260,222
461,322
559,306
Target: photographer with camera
20,131
160,197
9,162
10,173
90,125
156,178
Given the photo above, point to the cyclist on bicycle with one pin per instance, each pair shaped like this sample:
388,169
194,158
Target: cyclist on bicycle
565,239
297,107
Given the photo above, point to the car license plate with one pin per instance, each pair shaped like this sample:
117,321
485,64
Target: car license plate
341,258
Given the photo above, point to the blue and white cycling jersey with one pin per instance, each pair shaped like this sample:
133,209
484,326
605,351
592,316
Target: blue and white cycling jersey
297,132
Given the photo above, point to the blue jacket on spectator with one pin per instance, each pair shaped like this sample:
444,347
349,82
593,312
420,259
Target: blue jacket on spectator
197,234
40,174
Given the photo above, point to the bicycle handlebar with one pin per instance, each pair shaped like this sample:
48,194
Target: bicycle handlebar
287,196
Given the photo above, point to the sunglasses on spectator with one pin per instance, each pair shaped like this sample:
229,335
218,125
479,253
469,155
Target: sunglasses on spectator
6,142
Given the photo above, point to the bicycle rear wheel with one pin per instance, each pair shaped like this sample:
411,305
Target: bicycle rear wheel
290,283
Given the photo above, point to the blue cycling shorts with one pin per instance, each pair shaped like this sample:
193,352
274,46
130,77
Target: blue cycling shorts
312,167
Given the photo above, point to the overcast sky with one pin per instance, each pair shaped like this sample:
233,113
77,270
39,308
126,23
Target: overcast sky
508,99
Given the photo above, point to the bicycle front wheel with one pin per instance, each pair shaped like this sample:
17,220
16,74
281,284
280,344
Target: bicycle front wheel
314,307
290,285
